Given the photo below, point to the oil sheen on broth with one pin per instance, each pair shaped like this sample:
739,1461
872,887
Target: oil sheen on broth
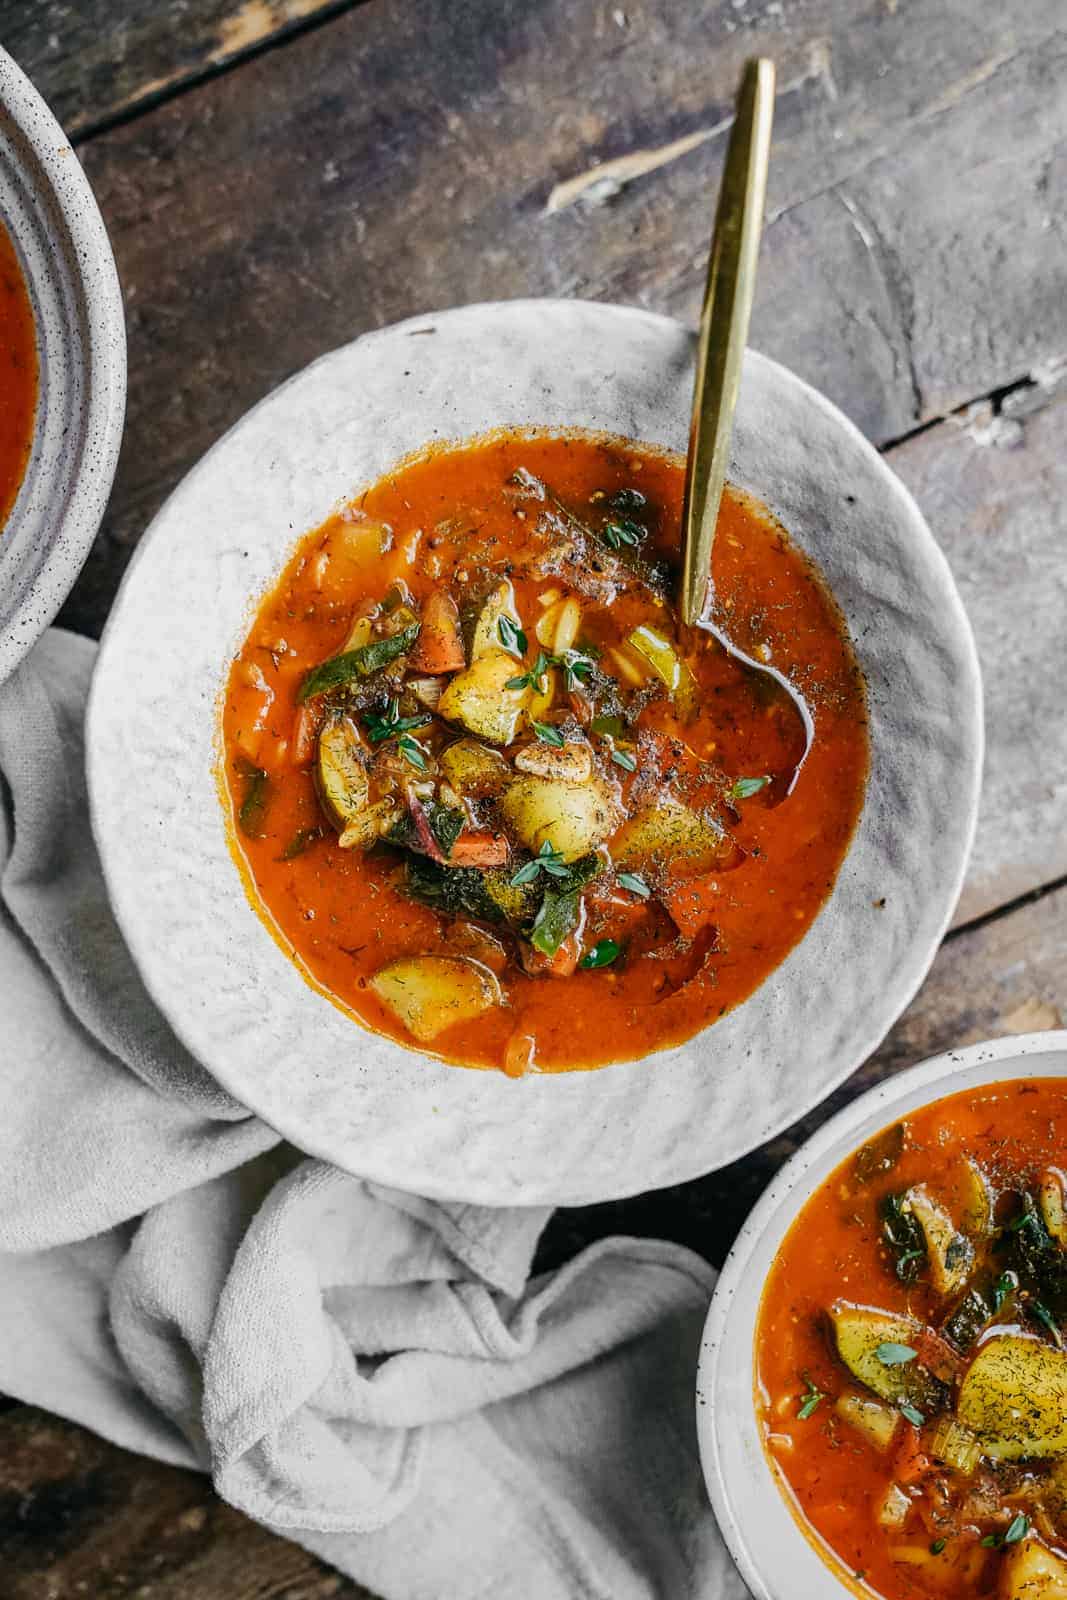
490,794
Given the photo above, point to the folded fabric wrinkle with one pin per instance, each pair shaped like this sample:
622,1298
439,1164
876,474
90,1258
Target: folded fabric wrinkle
372,1374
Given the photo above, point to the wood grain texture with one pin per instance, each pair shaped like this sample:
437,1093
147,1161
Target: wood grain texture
83,1520
103,59
398,160
1004,976
994,486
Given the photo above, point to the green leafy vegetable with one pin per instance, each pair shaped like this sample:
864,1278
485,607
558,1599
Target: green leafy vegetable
361,663
460,891
904,1235
561,907
635,884
745,788
254,801
548,734
301,841
613,727
1006,1284
602,954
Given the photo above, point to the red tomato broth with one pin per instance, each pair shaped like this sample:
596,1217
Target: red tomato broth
18,375
341,916
832,1477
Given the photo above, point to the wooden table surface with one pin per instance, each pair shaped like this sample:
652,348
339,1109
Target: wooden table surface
279,175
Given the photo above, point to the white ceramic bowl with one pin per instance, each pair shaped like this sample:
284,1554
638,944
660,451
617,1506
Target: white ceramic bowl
391,1113
48,208
773,1556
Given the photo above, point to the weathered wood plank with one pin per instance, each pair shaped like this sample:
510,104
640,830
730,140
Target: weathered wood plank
1008,975
995,490
80,1518
391,162
106,58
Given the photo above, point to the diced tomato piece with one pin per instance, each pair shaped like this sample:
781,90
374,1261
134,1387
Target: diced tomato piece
439,647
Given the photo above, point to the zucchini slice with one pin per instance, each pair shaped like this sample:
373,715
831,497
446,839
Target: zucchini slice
344,786
951,1255
860,1332
572,817
1014,1397
669,834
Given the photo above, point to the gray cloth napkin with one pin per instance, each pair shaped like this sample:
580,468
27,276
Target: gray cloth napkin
375,1375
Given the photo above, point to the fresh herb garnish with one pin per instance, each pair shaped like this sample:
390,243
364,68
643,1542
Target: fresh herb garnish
913,1416
1020,1527
745,788
535,678
384,724
412,751
623,759
576,666
548,734
937,1546
301,841
810,1400
616,534
560,914
636,885
511,636
891,1354
361,663
602,954
547,860
991,1541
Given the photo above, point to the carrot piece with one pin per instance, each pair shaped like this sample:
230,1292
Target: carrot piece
479,850
440,644
306,725
561,965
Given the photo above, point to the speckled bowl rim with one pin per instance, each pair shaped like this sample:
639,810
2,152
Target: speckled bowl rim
378,1108
67,507
774,1557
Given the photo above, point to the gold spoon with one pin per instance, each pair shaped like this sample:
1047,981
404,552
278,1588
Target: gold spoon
724,320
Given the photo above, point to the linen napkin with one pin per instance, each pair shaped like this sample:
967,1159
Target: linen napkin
372,1374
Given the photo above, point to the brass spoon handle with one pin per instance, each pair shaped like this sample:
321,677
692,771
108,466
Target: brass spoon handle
724,321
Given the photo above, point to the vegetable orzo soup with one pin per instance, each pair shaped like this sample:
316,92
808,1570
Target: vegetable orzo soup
492,796
910,1353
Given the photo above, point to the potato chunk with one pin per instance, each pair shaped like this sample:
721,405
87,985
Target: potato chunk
571,762
480,700
428,994
487,639
877,1423
1032,1572
573,817
1014,1397
473,769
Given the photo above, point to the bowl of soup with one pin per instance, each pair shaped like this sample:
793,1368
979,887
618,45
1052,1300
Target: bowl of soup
439,839
62,365
882,1396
